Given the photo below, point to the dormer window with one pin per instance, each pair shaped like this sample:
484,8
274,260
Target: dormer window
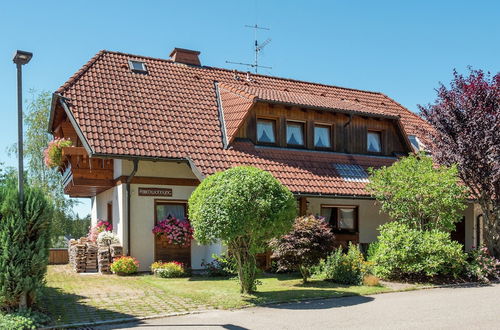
373,141
295,133
266,131
137,66
322,136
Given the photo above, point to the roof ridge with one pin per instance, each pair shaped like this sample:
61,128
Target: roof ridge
237,91
72,80
253,74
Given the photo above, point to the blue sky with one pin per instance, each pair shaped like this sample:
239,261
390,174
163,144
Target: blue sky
401,48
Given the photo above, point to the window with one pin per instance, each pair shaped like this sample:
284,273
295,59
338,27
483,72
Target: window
415,142
167,209
341,218
322,136
109,211
294,133
373,141
137,66
266,131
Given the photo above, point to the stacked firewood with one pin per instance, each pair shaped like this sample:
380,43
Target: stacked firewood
91,252
116,251
103,258
78,257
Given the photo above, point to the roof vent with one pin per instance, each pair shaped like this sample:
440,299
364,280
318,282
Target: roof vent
185,56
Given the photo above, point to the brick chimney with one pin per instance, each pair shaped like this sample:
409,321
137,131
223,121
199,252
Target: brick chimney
185,56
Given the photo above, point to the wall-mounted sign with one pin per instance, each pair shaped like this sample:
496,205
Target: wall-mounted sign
163,192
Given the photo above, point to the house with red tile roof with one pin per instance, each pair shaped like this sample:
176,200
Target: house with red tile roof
146,131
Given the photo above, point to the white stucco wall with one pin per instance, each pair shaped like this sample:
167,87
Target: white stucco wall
99,211
370,217
369,214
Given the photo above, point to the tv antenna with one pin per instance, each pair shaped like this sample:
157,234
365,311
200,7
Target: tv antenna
257,49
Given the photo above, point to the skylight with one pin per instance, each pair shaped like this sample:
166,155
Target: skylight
351,173
137,66
415,142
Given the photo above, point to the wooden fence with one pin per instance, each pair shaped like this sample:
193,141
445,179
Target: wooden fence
58,256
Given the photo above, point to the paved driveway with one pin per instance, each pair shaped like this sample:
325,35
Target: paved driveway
449,308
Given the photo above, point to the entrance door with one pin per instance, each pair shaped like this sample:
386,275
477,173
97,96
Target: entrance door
459,233
163,250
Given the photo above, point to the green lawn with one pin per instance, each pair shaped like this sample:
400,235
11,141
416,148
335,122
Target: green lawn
71,297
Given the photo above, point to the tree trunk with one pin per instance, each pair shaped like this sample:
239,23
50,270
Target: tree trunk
305,273
491,223
23,300
246,264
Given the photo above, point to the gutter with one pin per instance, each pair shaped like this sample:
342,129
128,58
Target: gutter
338,196
129,179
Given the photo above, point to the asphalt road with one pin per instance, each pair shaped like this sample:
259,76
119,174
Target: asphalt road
448,308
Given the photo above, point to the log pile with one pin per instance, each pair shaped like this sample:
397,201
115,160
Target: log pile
78,257
103,257
85,256
116,251
91,253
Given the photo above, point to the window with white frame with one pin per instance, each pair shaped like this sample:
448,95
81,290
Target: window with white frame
341,218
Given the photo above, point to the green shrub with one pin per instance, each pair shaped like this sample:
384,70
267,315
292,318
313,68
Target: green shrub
481,266
125,265
372,250
407,253
168,269
222,265
310,240
23,320
24,245
344,268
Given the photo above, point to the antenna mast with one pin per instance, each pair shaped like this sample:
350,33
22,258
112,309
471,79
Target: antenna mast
257,49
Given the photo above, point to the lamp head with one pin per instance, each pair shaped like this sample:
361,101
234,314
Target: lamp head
21,57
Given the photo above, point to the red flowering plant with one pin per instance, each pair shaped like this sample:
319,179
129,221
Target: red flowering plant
53,152
101,226
174,231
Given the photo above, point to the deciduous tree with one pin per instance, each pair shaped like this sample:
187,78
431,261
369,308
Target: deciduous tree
244,207
466,120
419,194
310,240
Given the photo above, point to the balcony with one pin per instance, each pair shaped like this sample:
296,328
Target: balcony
84,176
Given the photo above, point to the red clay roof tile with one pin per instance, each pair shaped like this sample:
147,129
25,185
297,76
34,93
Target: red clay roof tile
172,112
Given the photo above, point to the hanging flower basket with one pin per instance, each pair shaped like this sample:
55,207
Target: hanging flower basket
174,231
53,152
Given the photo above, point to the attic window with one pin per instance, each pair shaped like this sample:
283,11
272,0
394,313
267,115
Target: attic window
415,143
137,66
351,172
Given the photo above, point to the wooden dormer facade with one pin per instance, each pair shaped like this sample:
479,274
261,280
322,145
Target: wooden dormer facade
83,176
344,132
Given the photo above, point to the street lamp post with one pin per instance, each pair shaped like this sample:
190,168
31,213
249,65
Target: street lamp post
20,58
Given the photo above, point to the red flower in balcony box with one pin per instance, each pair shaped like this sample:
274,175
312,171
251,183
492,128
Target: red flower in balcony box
174,231
53,152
